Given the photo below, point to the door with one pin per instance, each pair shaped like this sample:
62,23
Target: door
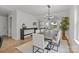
10,26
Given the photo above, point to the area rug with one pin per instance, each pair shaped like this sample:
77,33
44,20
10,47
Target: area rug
26,47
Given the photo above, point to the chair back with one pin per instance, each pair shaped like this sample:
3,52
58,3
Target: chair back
38,40
58,37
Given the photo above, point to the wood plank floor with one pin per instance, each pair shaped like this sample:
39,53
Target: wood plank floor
67,44
9,45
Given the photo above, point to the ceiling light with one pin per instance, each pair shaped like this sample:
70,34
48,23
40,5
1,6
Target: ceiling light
49,17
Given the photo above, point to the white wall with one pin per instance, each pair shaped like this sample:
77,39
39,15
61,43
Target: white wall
77,24
71,27
62,13
14,25
25,18
18,19
3,25
73,30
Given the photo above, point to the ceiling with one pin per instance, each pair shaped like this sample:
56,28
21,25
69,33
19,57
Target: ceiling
35,10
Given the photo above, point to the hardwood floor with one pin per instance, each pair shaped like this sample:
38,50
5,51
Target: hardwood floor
9,45
67,44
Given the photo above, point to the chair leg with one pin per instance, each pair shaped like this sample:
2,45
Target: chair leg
37,50
56,48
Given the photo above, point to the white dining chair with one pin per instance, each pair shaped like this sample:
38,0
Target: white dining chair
56,41
38,43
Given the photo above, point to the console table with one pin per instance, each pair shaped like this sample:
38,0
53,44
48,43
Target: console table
28,31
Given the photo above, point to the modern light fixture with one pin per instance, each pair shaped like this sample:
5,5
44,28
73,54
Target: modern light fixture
49,17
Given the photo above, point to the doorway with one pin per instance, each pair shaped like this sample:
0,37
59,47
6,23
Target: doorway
10,26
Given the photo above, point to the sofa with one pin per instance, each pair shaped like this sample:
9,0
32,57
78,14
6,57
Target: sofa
1,40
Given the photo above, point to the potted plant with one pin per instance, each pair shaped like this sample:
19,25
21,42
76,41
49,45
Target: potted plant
64,25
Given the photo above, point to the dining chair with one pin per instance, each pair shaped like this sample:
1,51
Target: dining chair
38,43
56,41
